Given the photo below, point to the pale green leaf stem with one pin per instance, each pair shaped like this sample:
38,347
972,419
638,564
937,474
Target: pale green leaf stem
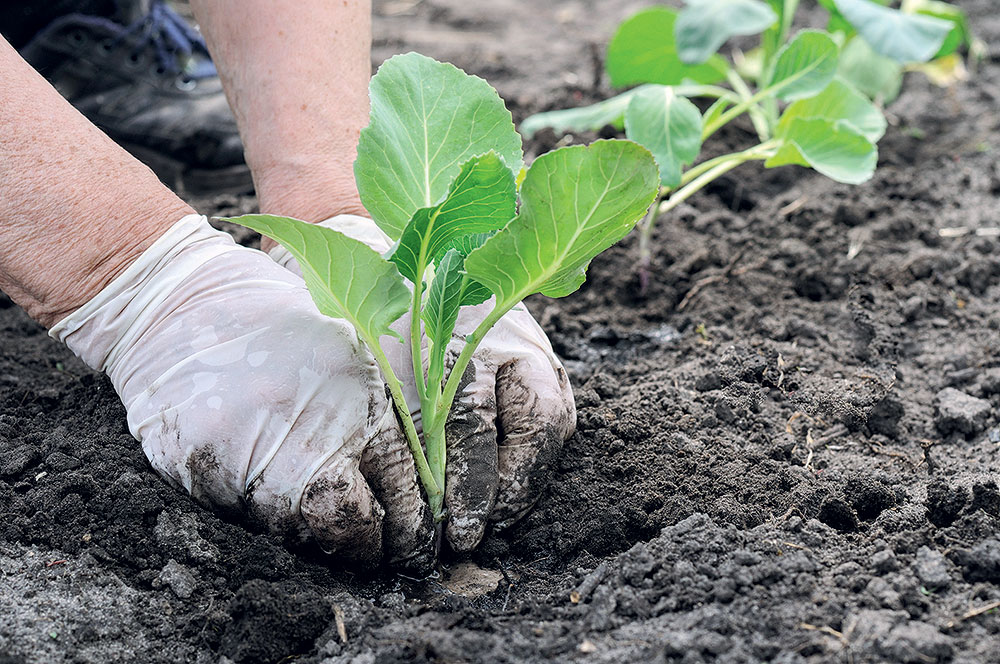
757,116
482,198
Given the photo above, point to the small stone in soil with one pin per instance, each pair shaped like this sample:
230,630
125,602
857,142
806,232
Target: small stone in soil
960,412
932,569
179,579
916,641
884,561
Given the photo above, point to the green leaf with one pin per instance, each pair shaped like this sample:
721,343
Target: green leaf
902,37
473,292
427,119
804,66
482,198
958,35
669,126
444,299
705,25
346,278
576,202
838,101
466,244
643,50
769,41
874,75
834,148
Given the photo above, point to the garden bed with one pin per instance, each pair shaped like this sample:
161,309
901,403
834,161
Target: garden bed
786,449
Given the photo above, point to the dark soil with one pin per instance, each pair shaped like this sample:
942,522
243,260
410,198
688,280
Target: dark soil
786,452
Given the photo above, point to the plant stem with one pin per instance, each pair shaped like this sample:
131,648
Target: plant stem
744,155
416,352
735,111
757,116
435,491
715,168
472,342
770,50
645,238
434,440
787,16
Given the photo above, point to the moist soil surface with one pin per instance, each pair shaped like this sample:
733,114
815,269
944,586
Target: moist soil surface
786,448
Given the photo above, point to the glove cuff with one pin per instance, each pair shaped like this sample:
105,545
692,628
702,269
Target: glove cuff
353,226
104,328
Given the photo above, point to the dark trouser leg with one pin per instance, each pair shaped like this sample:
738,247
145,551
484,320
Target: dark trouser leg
20,21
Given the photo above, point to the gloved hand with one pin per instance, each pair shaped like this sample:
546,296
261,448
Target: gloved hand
247,397
510,419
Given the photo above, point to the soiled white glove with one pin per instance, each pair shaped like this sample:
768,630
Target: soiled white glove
511,417
247,397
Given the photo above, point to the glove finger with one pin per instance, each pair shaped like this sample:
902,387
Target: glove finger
471,478
408,529
342,513
536,419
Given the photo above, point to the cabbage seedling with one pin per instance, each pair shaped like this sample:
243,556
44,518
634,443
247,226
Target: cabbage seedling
813,97
439,168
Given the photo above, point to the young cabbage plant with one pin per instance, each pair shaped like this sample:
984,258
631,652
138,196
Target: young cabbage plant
439,168
813,97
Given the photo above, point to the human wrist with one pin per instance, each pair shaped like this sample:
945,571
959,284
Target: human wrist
103,329
79,261
307,192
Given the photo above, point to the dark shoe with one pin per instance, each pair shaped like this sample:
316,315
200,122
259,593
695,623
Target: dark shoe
152,87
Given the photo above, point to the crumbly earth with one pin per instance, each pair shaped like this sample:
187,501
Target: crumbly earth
786,451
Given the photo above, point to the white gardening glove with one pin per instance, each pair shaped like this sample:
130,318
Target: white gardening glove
247,397
515,385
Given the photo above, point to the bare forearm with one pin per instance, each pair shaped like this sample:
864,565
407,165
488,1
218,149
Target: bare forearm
75,209
296,75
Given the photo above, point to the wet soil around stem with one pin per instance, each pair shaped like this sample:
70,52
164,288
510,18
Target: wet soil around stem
786,451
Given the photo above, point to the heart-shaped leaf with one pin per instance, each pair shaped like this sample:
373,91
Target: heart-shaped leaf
667,125
804,66
427,119
575,203
838,101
